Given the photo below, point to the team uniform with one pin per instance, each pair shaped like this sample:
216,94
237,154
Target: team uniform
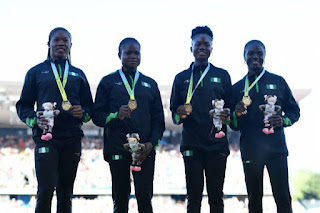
147,120
56,160
200,149
259,149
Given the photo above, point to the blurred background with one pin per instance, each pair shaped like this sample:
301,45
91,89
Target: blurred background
289,30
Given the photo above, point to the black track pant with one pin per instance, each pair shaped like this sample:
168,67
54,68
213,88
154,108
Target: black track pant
278,173
213,166
56,163
143,183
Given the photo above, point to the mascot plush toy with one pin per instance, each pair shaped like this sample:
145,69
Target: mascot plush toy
215,115
269,109
133,146
49,113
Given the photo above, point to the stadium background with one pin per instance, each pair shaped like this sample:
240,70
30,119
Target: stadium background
92,188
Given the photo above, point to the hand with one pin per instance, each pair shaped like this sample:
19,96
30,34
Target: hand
124,112
42,122
224,115
142,154
182,112
241,109
274,121
77,111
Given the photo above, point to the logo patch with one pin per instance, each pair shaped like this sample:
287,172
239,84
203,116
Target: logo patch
215,80
187,153
73,74
145,84
116,157
43,150
45,72
118,83
271,86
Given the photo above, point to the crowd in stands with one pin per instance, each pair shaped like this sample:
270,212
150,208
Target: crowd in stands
17,173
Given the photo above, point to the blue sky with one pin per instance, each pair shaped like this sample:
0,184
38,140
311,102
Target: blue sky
288,28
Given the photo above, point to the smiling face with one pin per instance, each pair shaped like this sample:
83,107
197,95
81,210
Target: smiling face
59,45
201,48
130,56
254,56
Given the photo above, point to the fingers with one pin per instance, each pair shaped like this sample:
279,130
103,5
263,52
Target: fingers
77,111
241,109
143,153
182,111
124,112
42,122
275,121
225,115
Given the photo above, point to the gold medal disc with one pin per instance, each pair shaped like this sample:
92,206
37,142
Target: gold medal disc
66,105
246,100
132,104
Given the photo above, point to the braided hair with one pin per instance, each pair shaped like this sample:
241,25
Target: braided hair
201,30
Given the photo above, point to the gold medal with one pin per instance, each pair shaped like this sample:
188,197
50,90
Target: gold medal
132,104
188,108
66,105
246,100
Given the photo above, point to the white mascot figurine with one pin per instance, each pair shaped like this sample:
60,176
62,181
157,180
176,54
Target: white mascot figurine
269,109
133,146
49,113
215,114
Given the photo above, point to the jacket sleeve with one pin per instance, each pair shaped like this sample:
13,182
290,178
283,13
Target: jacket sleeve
227,86
102,116
289,107
175,101
236,122
28,97
157,117
86,100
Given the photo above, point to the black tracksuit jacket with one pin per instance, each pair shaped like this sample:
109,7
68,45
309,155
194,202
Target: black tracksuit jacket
254,144
197,126
40,86
147,120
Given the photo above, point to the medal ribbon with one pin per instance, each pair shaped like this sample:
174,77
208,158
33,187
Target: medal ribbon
127,85
247,88
62,85
190,91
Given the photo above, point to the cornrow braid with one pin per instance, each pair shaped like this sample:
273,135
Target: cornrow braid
201,30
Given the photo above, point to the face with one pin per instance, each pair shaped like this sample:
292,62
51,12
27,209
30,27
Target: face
254,56
59,45
201,47
130,56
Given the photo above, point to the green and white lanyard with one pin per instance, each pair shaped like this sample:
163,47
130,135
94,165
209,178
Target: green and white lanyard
190,90
127,85
247,88
61,85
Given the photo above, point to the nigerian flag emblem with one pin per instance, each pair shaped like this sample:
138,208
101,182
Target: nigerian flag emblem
271,86
43,150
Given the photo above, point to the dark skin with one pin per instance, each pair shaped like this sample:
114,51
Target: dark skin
130,57
201,48
254,56
60,45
